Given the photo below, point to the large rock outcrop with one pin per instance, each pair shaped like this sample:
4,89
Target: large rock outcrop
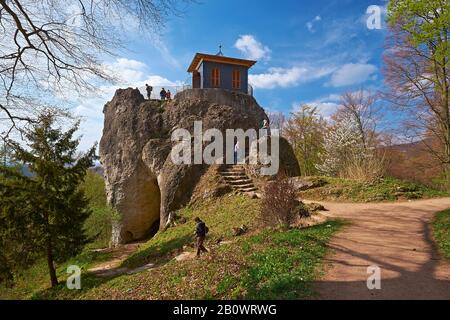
142,182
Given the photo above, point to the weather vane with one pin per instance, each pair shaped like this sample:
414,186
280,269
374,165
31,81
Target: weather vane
220,53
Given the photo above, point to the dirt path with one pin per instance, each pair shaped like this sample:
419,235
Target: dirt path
397,238
111,267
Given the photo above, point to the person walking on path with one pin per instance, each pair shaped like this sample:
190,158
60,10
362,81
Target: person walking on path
149,90
200,232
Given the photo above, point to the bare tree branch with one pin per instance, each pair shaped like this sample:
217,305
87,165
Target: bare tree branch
49,47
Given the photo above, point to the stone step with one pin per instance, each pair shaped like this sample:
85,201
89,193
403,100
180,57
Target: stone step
235,177
234,168
244,186
232,175
233,172
241,181
253,189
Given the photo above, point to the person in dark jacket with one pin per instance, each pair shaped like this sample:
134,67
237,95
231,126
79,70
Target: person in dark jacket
149,90
200,231
163,94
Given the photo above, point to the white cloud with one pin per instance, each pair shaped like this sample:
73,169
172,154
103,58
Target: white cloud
326,109
352,73
276,77
252,48
310,24
287,77
326,106
130,73
126,70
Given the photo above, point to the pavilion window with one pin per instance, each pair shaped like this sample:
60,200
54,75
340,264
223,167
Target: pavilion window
236,79
215,77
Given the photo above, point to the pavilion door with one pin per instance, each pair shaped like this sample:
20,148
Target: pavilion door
196,79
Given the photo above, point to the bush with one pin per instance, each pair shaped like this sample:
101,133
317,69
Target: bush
367,169
279,202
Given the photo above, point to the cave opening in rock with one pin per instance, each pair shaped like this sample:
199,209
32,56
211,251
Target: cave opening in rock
143,202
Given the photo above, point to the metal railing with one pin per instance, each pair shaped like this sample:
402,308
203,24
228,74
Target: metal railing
175,89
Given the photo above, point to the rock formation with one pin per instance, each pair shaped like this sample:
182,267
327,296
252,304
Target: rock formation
142,182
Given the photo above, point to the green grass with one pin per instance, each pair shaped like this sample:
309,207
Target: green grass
386,189
441,232
98,226
283,265
221,216
261,264
36,279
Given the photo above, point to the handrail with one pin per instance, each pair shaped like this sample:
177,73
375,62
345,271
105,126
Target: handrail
175,89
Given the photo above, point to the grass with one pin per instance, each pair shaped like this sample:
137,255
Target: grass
99,224
98,227
221,216
284,264
441,232
36,279
261,264
386,189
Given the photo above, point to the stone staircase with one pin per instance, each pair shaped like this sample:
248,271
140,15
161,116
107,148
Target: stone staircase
236,177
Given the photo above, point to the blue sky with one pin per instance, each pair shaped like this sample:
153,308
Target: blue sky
307,52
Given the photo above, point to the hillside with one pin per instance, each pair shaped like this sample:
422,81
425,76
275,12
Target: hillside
381,190
260,264
413,162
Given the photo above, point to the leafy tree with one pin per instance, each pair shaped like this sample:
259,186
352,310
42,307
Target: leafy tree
305,131
426,22
418,70
43,215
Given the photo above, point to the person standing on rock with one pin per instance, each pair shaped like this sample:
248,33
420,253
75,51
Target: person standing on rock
236,151
168,95
200,231
163,94
149,90
266,127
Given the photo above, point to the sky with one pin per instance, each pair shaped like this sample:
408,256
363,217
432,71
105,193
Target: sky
308,52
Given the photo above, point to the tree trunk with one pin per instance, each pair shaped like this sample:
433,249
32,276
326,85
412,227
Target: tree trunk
51,265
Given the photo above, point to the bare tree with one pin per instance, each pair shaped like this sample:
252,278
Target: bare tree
277,120
50,46
360,107
417,70
305,131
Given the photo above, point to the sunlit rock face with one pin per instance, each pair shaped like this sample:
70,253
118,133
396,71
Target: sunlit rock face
142,182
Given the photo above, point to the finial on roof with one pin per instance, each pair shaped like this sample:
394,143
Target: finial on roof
220,53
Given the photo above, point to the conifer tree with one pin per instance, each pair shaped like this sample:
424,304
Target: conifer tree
44,214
